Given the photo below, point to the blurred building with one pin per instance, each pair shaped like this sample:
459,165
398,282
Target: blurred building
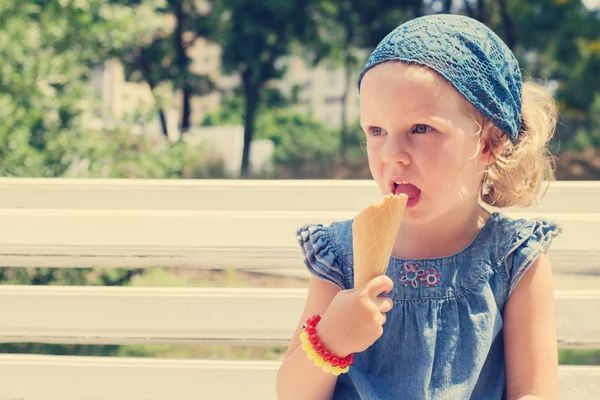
228,142
321,90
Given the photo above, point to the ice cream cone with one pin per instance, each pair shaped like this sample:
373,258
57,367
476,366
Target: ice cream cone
374,231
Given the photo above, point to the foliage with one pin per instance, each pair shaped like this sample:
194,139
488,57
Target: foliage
165,57
255,37
121,154
67,276
47,50
302,145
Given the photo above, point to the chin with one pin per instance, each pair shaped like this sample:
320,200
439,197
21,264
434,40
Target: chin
417,214
425,214
414,218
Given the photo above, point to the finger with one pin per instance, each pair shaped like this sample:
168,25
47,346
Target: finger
384,304
383,319
379,284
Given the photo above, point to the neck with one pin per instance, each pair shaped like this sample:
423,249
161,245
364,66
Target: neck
441,237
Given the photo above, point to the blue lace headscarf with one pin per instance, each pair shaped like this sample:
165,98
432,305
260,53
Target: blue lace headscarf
469,55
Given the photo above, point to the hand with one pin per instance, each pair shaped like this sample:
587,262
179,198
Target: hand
354,319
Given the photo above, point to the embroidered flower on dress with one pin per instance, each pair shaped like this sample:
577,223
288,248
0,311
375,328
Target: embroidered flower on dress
431,279
413,275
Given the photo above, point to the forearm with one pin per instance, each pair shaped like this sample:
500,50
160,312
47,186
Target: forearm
528,395
299,378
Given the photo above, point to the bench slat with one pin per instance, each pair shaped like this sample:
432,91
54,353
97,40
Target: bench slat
209,239
249,195
126,315
85,378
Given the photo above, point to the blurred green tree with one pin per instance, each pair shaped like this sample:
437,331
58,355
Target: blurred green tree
165,58
255,37
304,147
48,50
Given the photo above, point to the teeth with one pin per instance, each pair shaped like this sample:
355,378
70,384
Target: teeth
401,183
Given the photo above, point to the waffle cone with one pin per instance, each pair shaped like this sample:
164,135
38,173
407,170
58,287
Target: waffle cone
374,232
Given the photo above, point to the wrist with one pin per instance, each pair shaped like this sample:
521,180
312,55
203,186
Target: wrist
321,355
330,338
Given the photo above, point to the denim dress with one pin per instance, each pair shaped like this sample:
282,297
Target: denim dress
443,339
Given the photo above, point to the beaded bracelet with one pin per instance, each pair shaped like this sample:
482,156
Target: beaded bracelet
316,352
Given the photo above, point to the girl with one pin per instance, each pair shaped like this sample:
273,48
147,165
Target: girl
465,309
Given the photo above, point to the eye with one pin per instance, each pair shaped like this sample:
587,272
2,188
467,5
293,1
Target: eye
422,128
375,131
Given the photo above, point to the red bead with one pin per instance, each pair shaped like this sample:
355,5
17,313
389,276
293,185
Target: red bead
313,339
314,320
334,361
326,355
349,359
343,363
311,329
319,347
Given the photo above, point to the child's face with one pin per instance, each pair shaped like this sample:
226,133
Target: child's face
418,131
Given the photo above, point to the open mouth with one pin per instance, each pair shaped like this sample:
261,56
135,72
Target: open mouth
404,187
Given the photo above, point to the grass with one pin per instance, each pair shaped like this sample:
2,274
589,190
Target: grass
162,277
203,352
579,357
566,357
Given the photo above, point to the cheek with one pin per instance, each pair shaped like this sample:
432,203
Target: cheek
466,168
440,157
374,156
446,165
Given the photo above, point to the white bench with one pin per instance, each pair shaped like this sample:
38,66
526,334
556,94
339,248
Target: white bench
208,224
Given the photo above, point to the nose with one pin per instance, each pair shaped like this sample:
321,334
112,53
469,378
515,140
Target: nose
396,151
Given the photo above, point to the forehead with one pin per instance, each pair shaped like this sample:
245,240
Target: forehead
412,86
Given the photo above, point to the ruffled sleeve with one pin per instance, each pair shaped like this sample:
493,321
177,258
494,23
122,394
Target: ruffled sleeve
529,243
320,254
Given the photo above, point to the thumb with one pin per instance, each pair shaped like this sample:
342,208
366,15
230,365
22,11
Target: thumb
379,284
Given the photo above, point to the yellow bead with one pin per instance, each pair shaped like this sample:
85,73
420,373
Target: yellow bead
312,354
327,368
304,337
307,346
319,362
345,370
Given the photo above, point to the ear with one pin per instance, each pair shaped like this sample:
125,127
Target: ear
492,143
486,154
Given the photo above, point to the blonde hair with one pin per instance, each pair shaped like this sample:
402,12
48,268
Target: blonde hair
518,170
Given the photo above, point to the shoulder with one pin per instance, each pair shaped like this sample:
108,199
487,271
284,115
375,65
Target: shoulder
518,244
327,251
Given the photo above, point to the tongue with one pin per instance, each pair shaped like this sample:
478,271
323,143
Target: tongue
410,190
